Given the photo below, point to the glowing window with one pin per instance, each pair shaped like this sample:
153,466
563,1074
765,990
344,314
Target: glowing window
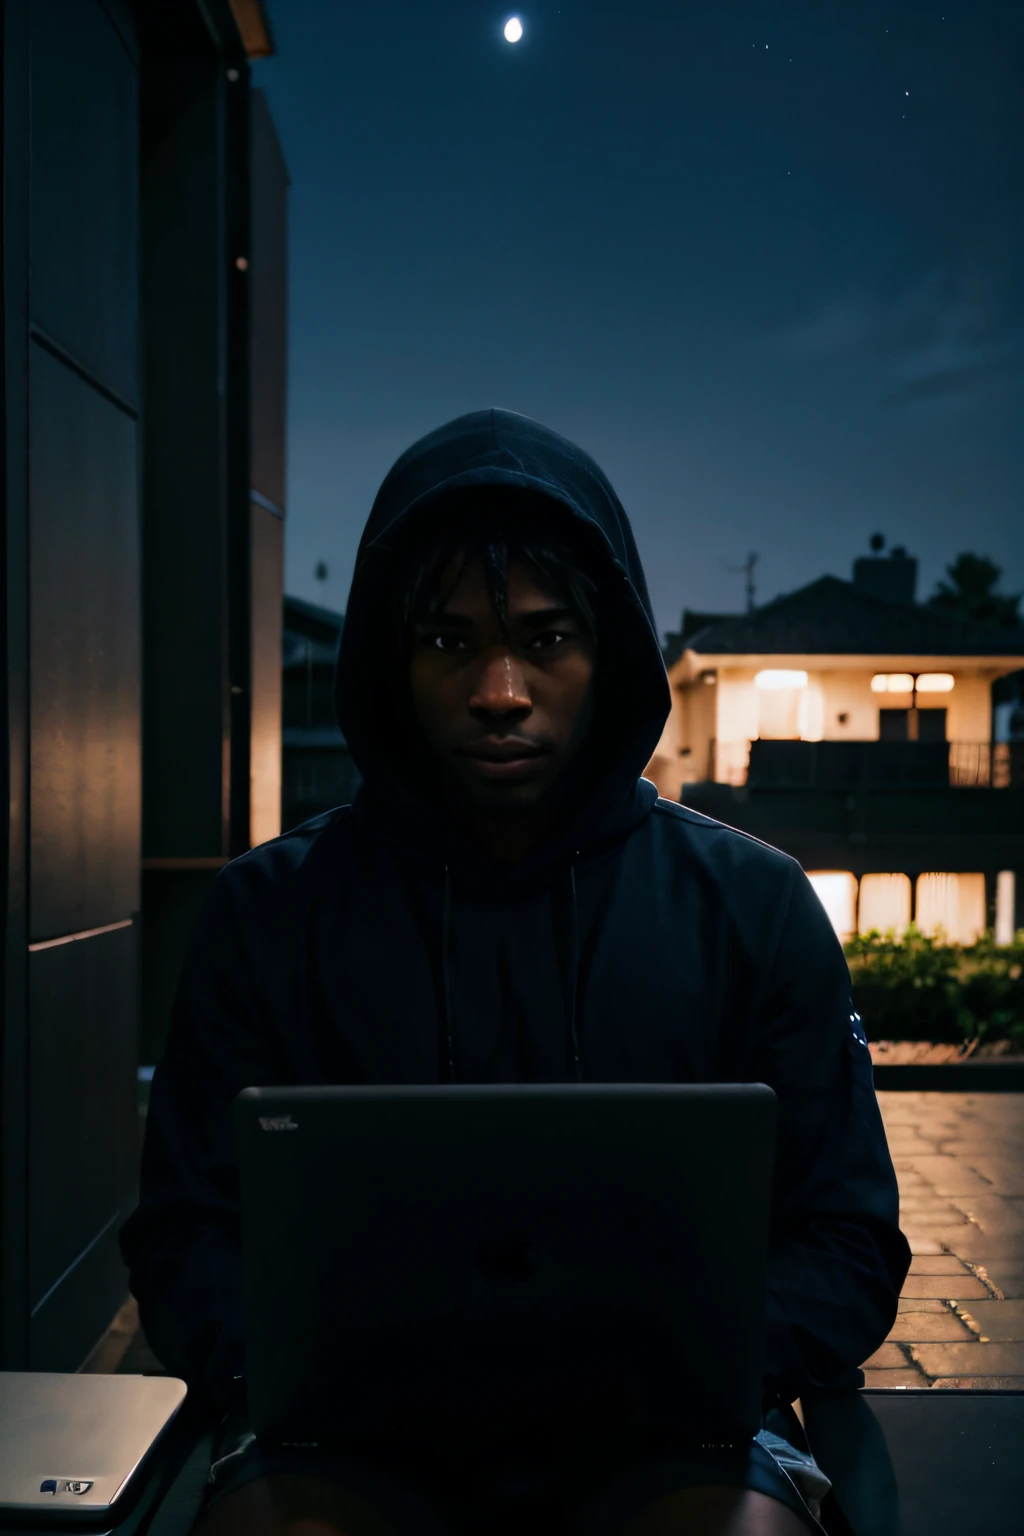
884,904
1006,901
772,680
935,682
892,682
811,714
953,904
836,889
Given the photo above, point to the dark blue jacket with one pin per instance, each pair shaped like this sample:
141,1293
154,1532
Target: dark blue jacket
642,943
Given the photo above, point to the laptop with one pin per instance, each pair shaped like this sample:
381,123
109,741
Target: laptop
72,1445
482,1266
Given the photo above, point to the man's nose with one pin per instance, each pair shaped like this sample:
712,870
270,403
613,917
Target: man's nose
500,686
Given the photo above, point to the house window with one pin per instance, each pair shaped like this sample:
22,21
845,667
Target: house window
1006,902
811,713
953,904
778,704
894,725
884,904
931,724
911,724
836,889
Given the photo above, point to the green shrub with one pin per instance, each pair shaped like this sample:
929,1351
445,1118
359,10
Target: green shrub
922,988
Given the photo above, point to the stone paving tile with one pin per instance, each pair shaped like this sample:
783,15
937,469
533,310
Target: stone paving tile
920,1304
943,1287
1006,1173
992,1213
937,1264
1008,1278
920,1245
924,1202
973,1359
941,1327
920,1214
888,1357
1001,1321
970,1242
949,1176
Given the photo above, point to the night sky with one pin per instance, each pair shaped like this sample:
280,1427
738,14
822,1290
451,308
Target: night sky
764,262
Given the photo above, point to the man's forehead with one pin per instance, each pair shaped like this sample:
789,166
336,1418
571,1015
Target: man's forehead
527,587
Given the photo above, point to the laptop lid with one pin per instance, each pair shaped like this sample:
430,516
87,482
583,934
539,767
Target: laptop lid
455,1263
71,1445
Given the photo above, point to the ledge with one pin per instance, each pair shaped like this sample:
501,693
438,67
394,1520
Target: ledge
996,1075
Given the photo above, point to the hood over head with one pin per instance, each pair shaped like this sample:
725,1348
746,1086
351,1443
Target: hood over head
443,481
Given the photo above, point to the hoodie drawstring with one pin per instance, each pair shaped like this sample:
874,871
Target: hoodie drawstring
446,991
572,968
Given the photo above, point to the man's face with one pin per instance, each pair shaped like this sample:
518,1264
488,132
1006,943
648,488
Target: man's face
505,717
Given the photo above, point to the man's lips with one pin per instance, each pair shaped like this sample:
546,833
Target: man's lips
506,750
505,758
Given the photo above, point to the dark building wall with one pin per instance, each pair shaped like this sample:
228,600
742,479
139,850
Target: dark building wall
136,574
187,721
71,551
214,190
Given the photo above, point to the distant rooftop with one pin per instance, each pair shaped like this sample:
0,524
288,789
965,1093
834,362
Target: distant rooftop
311,633
693,623
836,618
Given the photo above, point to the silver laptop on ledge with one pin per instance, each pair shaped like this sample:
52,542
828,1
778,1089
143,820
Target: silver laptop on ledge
73,1446
469,1265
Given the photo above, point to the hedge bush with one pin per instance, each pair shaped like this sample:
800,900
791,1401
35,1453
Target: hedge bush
924,988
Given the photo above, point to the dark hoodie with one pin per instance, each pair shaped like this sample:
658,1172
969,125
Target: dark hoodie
641,943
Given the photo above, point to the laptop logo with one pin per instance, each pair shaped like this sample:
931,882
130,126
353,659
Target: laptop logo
65,1485
505,1260
277,1123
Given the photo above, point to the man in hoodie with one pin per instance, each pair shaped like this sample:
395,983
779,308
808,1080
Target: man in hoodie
501,687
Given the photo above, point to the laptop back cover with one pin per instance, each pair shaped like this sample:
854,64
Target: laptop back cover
462,1261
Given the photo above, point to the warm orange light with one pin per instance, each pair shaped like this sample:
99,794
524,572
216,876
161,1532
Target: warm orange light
884,904
892,682
935,682
836,889
770,680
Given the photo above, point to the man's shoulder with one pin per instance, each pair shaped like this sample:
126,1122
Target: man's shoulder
719,847
284,864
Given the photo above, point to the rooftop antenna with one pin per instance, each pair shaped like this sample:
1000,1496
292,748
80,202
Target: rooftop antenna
747,570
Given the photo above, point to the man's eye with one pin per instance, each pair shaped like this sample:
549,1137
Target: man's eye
549,638
440,641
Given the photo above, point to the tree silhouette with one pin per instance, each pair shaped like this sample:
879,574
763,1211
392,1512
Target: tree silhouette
970,592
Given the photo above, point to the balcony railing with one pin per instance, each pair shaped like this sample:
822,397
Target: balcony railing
862,765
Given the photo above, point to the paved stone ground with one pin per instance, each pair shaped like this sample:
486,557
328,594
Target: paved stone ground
959,1159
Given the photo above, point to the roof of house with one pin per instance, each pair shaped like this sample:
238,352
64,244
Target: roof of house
835,618
310,619
311,633
693,622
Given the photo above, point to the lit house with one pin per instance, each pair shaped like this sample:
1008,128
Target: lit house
879,742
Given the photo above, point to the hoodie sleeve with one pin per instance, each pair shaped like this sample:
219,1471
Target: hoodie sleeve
837,1258
182,1245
